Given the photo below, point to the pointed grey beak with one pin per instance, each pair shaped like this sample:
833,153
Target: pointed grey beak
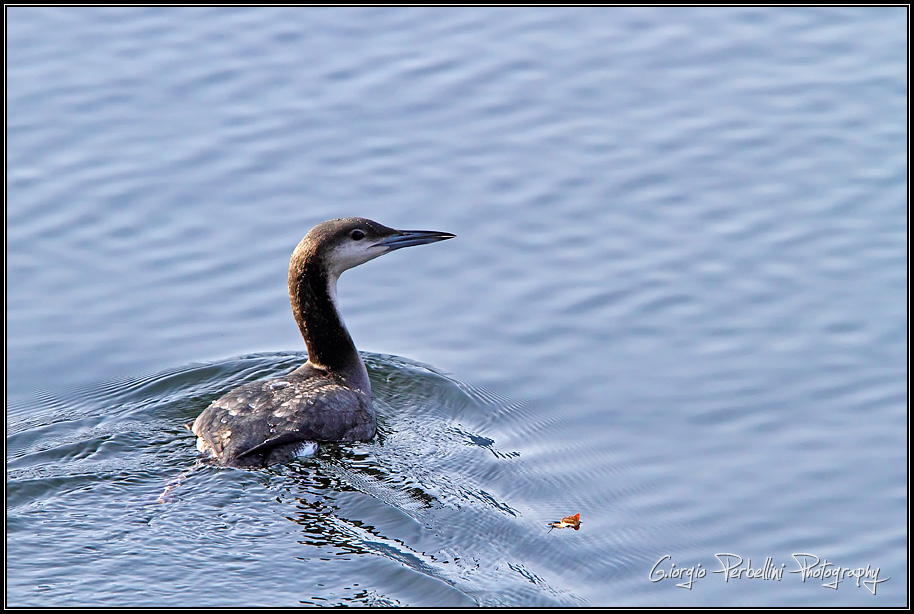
408,238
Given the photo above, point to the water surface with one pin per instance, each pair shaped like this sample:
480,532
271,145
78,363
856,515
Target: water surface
676,303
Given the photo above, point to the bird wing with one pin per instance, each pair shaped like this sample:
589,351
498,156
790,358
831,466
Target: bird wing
258,417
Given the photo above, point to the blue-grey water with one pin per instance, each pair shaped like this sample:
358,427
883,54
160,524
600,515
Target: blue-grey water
676,304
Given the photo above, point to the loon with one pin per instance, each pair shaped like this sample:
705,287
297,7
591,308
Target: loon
329,397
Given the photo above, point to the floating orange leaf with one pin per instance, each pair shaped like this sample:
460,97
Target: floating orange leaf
566,522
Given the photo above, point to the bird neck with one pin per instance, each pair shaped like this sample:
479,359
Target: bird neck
312,291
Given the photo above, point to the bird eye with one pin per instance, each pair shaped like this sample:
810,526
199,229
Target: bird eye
357,235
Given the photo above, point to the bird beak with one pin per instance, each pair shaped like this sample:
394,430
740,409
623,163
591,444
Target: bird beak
408,238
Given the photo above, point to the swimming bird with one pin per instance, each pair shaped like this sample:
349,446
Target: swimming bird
329,397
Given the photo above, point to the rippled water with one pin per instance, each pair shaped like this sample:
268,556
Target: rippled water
676,303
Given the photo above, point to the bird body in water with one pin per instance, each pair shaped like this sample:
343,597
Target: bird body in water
329,397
